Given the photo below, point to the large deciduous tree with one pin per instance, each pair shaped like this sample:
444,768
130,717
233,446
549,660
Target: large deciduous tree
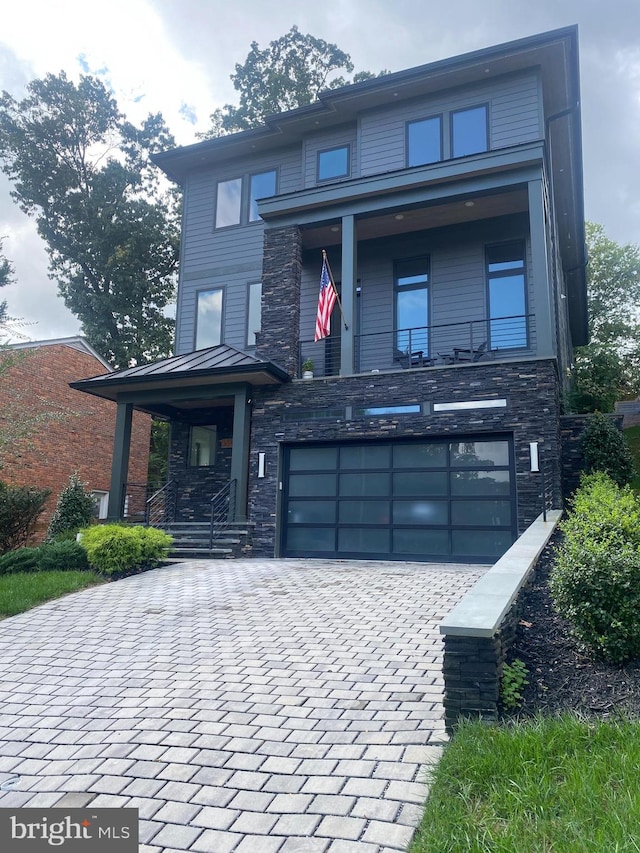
289,73
608,369
111,229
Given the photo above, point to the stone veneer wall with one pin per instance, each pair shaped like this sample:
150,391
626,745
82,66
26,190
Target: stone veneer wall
196,486
532,414
279,339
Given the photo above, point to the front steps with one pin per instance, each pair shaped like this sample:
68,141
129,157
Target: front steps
191,540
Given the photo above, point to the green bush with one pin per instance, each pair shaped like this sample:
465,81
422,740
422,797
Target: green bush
605,448
116,549
62,556
20,507
20,560
595,583
75,509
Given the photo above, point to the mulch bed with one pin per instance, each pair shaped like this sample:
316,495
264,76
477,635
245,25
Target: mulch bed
562,677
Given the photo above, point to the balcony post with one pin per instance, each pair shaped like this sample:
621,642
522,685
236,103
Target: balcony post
541,272
349,278
120,461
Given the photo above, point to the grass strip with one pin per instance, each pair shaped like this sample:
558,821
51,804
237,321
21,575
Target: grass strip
551,785
24,590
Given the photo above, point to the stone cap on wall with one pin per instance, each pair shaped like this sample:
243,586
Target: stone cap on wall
483,608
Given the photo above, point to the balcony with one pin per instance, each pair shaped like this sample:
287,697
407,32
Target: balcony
449,344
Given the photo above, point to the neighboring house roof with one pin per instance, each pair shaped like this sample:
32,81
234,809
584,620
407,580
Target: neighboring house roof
206,367
76,342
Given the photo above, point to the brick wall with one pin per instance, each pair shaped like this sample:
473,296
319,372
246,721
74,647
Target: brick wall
76,430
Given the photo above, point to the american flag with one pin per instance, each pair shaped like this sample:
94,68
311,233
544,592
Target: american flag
326,301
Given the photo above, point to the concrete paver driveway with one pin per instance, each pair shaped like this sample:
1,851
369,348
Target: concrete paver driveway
247,706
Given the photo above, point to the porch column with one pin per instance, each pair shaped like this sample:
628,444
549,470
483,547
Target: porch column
240,452
349,278
120,461
540,267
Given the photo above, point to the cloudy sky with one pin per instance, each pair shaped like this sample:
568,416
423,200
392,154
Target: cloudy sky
175,56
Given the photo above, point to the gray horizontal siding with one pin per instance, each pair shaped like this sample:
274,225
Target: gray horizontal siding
515,115
343,135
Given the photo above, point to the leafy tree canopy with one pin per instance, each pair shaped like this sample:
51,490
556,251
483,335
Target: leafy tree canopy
289,73
112,231
608,369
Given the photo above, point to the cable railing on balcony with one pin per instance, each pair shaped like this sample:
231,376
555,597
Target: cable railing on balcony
425,346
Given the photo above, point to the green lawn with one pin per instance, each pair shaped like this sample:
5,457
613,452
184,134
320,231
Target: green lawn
633,438
547,786
23,590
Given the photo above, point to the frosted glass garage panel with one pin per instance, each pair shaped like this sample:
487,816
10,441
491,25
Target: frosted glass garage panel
366,484
313,458
420,512
420,456
480,483
480,543
419,542
311,539
312,485
364,512
420,483
363,457
481,513
474,453
311,512
363,540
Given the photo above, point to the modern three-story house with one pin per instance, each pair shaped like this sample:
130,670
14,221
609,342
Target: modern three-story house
449,201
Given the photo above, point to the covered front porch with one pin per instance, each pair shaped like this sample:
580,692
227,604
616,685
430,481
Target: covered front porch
206,396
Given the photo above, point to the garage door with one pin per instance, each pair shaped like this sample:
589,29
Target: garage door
412,500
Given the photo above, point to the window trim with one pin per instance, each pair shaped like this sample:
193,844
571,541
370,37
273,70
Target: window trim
200,290
440,117
417,286
321,151
483,105
251,284
245,197
506,274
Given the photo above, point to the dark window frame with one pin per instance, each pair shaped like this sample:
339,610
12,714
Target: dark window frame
495,274
440,117
193,427
483,105
245,197
249,331
405,289
346,147
198,292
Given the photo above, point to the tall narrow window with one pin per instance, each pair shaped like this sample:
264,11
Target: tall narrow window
424,141
209,318
469,131
263,184
333,163
202,446
412,306
228,203
254,312
507,296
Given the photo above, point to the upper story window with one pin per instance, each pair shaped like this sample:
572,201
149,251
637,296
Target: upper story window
261,185
424,141
228,203
507,295
236,199
209,318
412,306
469,131
333,163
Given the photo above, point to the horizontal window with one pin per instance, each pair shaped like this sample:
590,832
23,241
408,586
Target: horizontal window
412,408
333,163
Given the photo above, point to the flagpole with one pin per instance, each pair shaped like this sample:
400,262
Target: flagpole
335,289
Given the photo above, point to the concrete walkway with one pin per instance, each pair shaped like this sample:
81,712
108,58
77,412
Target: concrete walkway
246,706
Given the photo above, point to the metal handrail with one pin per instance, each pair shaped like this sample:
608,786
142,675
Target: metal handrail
426,346
163,496
223,510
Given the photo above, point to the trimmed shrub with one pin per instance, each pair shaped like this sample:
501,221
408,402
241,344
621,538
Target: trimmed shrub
117,549
605,448
64,556
74,510
20,507
155,544
20,560
595,583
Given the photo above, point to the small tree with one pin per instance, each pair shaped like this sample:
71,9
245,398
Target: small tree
20,507
75,509
605,448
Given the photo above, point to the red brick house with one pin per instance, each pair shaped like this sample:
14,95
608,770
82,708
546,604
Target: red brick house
68,430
